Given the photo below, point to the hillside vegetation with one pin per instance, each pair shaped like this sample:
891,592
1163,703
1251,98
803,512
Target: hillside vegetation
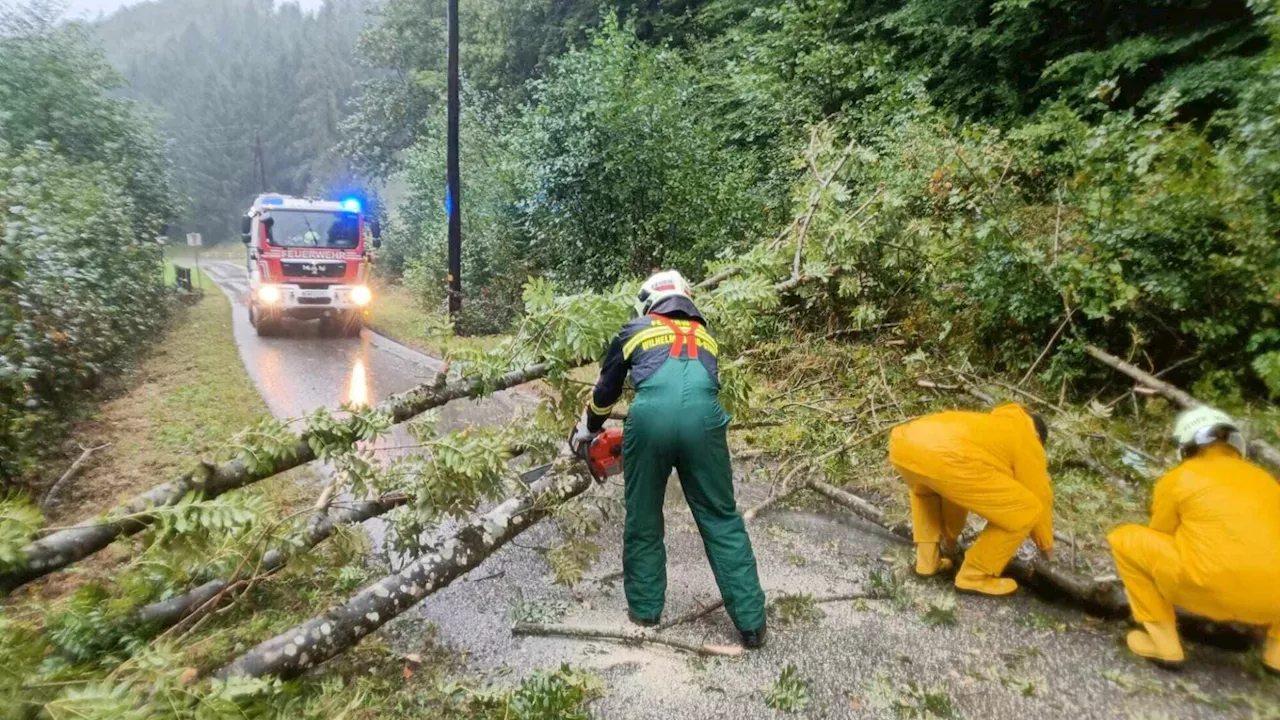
996,169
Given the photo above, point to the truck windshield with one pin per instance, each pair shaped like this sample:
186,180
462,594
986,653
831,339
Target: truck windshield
305,228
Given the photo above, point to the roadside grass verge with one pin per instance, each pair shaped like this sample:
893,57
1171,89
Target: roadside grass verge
399,315
186,397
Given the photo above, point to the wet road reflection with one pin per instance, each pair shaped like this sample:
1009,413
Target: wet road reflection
358,391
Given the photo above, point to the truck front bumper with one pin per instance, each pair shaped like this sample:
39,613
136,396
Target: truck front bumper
302,302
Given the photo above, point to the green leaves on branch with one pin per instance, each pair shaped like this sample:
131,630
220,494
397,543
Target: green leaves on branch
19,520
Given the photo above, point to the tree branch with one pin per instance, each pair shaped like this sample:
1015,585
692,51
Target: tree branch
316,640
630,636
1260,448
70,474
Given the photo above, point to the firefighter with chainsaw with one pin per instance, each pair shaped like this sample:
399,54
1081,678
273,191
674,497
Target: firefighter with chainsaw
992,464
675,421
1213,544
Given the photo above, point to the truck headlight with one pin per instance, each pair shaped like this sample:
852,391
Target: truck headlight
361,295
269,294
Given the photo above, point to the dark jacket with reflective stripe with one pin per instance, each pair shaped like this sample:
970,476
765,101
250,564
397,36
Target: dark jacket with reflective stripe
641,348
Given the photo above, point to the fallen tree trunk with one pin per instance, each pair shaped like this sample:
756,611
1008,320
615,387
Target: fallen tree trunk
65,547
1105,599
1260,448
323,637
160,615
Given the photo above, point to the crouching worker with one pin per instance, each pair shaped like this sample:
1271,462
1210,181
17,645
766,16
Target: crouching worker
992,464
1213,545
676,421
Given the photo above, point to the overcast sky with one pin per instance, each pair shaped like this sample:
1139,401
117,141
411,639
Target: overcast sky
93,7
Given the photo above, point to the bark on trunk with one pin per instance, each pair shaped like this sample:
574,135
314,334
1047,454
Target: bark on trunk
323,637
68,546
1260,448
164,614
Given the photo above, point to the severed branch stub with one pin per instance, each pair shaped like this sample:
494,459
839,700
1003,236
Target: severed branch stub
315,641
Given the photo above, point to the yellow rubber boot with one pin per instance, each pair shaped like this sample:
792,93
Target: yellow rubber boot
1159,643
970,579
1271,658
929,560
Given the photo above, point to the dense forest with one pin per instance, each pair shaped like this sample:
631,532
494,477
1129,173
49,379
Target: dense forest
224,78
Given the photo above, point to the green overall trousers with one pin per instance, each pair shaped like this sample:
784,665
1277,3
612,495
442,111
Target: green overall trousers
677,422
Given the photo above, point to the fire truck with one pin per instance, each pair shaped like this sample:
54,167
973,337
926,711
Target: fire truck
308,260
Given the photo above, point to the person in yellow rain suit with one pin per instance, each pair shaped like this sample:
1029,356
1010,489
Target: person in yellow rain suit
992,464
1213,545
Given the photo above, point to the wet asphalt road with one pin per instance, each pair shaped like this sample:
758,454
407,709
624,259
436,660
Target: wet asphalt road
299,370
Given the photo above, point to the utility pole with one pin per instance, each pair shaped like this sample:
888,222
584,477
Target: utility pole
453,191
259,160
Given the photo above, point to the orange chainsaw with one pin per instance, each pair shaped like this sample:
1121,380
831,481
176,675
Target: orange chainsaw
604,457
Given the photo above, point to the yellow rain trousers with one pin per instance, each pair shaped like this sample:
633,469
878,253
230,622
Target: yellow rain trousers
991,464
1212,548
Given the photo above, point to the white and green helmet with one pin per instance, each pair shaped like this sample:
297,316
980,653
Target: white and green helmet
1202,426
662,285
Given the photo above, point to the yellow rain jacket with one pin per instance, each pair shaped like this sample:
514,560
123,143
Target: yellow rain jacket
1213,545
970,457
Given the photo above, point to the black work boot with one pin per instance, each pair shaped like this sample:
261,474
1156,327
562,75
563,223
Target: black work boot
754,639
640,621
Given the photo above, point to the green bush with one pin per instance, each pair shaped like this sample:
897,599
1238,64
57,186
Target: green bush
83,194
79,292
624,169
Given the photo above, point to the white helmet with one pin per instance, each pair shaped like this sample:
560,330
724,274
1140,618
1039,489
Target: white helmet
1204,425
661,286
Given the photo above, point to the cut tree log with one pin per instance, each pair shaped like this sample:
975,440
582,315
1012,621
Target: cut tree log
160,615
1260,448
1103,599
323,637
65,547
632,636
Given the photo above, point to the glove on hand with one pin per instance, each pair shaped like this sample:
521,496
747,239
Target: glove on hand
580,439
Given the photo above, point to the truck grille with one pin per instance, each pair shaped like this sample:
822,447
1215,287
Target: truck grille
313,269
313,301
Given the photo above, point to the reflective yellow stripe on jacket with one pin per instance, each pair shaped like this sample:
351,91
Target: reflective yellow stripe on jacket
659,335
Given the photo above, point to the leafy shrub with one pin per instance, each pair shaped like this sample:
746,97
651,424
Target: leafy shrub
79,292
83,193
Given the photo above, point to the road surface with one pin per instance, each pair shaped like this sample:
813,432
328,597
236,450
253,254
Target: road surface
299,370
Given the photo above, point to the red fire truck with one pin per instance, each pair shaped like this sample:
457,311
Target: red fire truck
308,260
